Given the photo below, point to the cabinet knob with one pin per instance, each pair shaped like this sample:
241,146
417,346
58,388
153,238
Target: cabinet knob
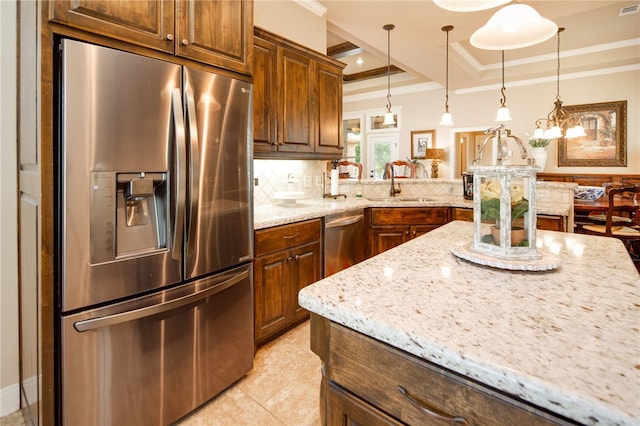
185,42
169,37
289,259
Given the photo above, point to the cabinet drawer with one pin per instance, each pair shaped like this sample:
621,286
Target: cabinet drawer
285,236
409,216
375,371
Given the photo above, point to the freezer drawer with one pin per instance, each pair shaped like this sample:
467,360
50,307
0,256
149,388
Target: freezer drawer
153,359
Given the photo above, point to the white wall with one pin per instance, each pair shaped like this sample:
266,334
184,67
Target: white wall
292,21
422,111
9,387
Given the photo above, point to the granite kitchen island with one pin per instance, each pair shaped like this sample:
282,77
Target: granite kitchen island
554,347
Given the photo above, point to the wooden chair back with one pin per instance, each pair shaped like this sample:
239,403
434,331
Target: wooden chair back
352,164
399,163
622,218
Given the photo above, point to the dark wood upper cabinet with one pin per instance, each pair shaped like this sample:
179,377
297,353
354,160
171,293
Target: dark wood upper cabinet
218,33
297,100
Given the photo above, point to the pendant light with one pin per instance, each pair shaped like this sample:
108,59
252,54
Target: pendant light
558,116
513,27
388,116
503,111
446,119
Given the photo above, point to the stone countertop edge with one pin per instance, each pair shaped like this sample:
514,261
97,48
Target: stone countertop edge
567,340
266,216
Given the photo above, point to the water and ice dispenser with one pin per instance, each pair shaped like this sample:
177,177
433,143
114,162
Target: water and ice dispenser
128,214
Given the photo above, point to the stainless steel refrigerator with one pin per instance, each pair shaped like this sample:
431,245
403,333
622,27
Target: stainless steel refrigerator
154,236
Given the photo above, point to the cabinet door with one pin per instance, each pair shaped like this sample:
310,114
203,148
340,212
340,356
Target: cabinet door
148,23
265,59
328,95
385,237
295,125
305,270
271,275
417,230
216,32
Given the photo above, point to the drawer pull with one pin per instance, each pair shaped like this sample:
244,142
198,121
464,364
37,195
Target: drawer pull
289,237
427,411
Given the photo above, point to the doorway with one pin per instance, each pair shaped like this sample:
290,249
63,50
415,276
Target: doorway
468,145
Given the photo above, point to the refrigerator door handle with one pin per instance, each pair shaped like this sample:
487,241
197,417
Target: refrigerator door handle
126,316
194,171
181,165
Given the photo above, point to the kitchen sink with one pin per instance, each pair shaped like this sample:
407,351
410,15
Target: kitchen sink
400,199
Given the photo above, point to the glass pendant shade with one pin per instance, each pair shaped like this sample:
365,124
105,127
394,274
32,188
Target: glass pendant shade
513,27
447,119
538,133
503,114
469,5
388,118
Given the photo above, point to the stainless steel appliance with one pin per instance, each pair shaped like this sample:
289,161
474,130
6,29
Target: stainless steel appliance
155,236
344,240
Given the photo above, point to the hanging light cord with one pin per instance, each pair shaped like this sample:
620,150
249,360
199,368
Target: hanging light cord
389,27
558,67
446,96
503,101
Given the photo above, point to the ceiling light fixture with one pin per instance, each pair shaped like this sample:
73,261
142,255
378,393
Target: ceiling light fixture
469,5
388,116
513,27
503,111
558,116
447,120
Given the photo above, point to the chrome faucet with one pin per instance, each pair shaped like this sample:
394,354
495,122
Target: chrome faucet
393,191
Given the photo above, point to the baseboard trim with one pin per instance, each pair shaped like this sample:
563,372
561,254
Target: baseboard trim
9,399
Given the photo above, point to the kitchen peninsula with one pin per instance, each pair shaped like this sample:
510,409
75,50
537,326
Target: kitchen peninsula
481,345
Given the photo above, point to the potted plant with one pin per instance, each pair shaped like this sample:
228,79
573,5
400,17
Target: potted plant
539,151
490,210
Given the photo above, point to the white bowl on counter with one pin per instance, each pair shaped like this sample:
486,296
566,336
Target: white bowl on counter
588,193
288,197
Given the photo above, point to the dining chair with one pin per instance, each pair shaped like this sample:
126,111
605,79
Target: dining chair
404,168
621,220
350,164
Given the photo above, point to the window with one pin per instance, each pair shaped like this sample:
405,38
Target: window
382,149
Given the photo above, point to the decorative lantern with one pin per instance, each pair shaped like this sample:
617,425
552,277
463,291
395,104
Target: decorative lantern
504,211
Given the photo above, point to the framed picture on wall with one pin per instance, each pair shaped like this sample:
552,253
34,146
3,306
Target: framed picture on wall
420,141
605,143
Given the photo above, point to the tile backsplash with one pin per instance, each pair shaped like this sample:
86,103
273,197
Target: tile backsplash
287,175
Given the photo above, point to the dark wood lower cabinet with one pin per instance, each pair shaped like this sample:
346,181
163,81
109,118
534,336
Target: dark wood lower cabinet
367,382
393,226
288,258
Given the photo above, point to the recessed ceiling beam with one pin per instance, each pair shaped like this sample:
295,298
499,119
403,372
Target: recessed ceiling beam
374,73
343,49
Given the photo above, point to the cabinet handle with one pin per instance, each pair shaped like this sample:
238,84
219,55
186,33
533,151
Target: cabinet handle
169,37
297,257
428,412
289,237
185,42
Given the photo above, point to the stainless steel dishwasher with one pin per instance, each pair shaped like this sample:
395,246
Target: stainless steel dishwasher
344,240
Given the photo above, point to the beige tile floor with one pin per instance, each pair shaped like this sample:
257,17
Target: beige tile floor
281,390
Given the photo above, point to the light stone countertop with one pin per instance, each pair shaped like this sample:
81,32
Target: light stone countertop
567,340
266,216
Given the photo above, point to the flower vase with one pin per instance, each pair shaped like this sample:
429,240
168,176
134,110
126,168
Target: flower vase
540,155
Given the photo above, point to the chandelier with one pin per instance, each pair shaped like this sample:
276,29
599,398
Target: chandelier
558,116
